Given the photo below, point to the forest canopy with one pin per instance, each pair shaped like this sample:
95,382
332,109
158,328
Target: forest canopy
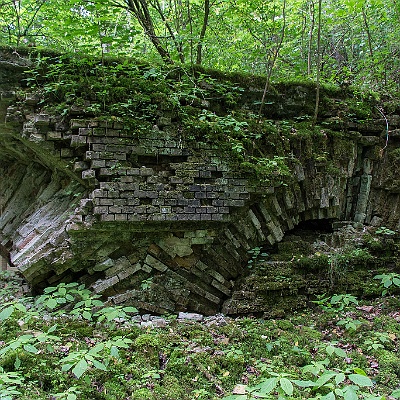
347,42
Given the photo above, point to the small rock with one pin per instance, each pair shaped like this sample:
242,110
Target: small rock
146,324
239,389
191,316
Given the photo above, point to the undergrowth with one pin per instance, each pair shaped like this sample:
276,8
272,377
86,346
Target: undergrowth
200,106
68,344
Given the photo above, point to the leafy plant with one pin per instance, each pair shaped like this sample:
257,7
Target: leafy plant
389,280
257,255
335,303
349,323
385,231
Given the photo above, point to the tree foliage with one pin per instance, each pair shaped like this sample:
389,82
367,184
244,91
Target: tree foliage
358,42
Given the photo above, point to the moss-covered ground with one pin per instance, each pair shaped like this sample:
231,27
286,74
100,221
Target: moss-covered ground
66,344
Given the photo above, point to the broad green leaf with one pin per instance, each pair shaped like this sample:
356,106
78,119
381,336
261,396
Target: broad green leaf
324,378
62,291
360,371
19,307
329,396
396,281
52,329
330,350
71,396
80,368
51,303
87,315
99,365
286,386
339,378
96,349
396,394
304,383
340,352
114,352
6,313
30,348
266,386
360,380
130,309
350,394
66,367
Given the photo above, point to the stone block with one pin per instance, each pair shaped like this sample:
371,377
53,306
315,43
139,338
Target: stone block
53,135
80,166
89,174
190,316
154,263
77,141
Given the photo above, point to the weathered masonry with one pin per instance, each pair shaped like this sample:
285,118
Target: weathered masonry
83,198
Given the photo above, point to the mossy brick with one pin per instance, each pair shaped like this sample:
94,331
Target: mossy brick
77,141
90,155
95,164
234,203
66,152
79,123
80,166
100,210
99,131
89,174
144,171
154,263
107,217
98,147
54,135
101,285
112,132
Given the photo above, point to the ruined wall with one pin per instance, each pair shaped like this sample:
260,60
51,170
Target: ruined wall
162,222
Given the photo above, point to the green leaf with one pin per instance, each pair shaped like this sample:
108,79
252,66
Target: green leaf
360,371
266,386
360,380
5,314
304,383
350,394
330,350
80,368
51,303
66,367
286,386
396,394
339,378
30,348
17,363
340,352
99,365
87,315
71,396
96,349
396,281
329,396
324,378
52,329
114,352
20,307
130,309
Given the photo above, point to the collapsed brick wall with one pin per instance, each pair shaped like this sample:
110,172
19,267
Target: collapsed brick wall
153,220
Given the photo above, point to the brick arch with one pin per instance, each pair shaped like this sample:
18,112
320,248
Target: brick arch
163,223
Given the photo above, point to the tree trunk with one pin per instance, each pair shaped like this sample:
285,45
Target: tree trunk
203,32
317,94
